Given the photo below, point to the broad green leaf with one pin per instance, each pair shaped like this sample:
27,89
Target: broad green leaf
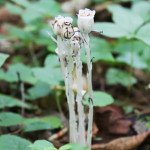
53,121
46,123
100,50
142,8
41,145
65,147
10,119
12,142
134,61
124,46
51,8
73,146
8,101
140,50
24,3
110,29
28,18
11,74
48,74
39,90
125,18
116,76
20,33
14,9
36,126
51,60
50,148
3,57
100,99
144,33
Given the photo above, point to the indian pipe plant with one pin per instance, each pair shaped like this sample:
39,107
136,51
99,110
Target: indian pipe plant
69,43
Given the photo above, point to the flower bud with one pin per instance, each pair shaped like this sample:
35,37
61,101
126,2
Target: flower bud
56,24
75,42
86,20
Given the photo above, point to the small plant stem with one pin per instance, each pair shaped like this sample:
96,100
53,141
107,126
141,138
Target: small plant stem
131,66
71,101
58,104
81,126
22,94
90,90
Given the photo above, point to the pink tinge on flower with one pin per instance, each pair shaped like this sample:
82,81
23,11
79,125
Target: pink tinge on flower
86,20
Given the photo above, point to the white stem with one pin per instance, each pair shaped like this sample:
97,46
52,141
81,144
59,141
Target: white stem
67,68
81,126
90,90
71,101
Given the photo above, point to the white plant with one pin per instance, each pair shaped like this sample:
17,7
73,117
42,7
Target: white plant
69,42
85,25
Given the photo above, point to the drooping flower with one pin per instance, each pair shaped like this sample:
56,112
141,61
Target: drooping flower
67,28
75,41
86,20
56,24
62,26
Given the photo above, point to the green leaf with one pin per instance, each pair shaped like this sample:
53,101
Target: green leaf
48,74
24,3
3,58
10,119
116,76
41,145
7,101
51,60
100,99
50,148
65,147
142,8
20,33
100,50
74,146
110,29
125,18
127,58
12,142
11,74
14,9
46,123
39,90
51,7
53,121
144,33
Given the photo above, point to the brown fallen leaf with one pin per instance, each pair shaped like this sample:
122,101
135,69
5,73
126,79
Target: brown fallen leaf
127,143
110,119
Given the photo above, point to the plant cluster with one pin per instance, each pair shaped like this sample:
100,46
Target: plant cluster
69,44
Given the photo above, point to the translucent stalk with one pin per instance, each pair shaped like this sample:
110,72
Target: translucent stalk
90,90
71,101
81,126
67,68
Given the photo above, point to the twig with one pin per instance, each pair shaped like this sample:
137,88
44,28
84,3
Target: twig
59,134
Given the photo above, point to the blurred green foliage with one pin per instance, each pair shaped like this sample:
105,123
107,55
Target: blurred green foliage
130,49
